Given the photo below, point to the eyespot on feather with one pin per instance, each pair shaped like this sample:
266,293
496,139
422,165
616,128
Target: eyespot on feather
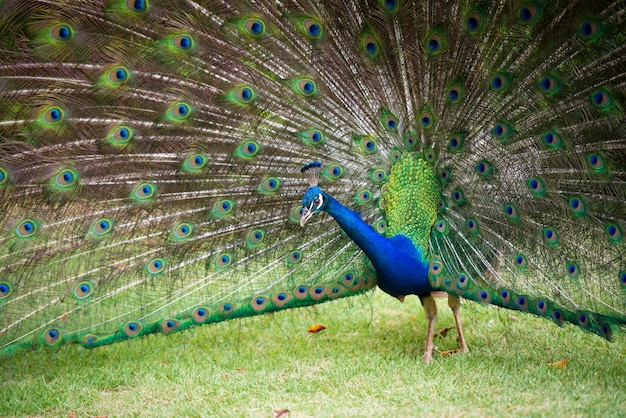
363,197
169,325
305,87
280,299
182,42
195,163
590,30
312,28
455,143
248,149
89,340
426,119
117,76
474,21
4,176
223,208
318,292
549,84
301,292
483,296
254,27
500,82
333,172
573,270
269,186
519,261
179,111
602,99
223,261
52,336
552,140
459,197
51,116
102,227
65,179
536,186
258,303
370,45
484,169
430,154
435,42
132,329
226,309
83,290
120,136
312,137
156,266
294,257
144,192
550,237
137,7
613,232
409,140
502,130
61,33
255,238
510,210
577,205
455,93
182,231
200,314
529,12
26,228
5,290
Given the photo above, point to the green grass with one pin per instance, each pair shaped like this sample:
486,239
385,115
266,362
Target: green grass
367,363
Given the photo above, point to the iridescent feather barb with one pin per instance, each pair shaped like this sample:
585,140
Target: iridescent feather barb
150,155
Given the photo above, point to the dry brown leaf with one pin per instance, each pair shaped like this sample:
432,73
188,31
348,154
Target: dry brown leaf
448,352
280,413
442,332
558,364
316,328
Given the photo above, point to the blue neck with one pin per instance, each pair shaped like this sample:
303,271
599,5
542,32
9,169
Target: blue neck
400,266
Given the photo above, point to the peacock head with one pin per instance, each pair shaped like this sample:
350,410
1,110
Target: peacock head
314,199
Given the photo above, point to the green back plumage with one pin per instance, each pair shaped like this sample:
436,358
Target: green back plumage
150,155
411,195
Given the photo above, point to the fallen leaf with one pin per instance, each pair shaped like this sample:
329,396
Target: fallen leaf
280,414
558,364
72,415
448,352
442,332
512,318
165,401
165,362
316,328
239,369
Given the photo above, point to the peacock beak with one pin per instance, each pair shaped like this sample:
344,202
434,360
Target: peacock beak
306,214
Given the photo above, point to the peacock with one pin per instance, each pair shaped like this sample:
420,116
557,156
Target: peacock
168,164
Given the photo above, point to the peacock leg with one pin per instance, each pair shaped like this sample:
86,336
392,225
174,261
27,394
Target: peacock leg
430,308
455,304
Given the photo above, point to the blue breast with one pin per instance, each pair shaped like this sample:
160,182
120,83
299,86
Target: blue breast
402,270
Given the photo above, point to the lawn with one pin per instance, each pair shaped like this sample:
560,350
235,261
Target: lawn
366,363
